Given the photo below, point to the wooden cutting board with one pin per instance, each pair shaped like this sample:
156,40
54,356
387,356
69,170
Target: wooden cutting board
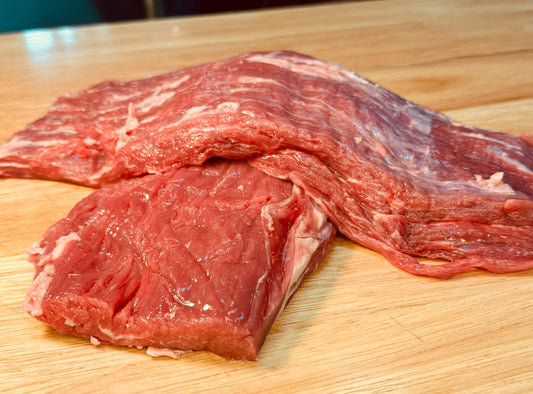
357,324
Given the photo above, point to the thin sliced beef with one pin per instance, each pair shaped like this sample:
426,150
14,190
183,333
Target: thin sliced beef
198,258
392,175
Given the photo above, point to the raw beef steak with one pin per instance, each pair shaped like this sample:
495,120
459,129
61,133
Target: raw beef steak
198,258
392,175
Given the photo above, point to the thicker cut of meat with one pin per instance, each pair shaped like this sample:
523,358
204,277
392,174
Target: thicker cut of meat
392,175
198,258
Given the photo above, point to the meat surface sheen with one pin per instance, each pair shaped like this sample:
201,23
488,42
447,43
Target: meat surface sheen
198,258
392,175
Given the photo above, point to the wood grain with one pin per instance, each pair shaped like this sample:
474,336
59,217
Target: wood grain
357,324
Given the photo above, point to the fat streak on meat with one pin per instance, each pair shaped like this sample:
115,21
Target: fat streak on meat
198,258
392,175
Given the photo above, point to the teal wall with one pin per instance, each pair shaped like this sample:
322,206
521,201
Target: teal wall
27,14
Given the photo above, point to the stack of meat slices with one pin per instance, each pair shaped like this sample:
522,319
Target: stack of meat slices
213,249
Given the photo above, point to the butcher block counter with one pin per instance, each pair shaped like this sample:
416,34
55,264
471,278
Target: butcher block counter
358,323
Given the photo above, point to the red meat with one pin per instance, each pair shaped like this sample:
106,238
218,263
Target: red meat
392,175
199,258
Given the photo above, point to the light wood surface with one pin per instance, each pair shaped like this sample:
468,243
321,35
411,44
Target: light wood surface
357,324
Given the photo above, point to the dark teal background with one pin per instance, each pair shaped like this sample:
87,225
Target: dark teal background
27,14
16,15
